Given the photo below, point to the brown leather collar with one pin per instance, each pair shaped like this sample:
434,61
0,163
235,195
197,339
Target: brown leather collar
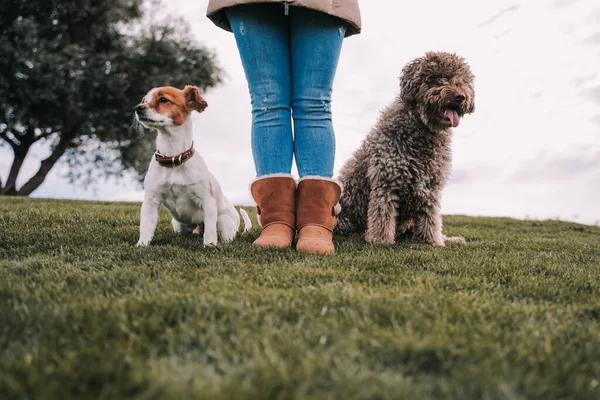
174,161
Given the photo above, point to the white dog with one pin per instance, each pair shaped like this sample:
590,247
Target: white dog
178,176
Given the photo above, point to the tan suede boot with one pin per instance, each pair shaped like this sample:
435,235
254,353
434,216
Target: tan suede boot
316,201
275,197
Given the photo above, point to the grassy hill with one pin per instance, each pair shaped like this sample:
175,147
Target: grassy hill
85,314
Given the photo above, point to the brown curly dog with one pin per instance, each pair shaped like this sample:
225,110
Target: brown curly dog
393,183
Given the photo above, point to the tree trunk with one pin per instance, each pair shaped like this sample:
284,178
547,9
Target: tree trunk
45,167
10,188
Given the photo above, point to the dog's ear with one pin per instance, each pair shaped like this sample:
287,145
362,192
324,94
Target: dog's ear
471,105
193,98
409,81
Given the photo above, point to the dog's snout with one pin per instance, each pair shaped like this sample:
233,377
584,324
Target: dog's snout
459,98
139,108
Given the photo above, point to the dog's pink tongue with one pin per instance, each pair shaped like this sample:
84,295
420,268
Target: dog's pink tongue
453,116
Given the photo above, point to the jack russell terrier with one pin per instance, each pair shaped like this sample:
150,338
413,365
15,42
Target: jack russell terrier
178,177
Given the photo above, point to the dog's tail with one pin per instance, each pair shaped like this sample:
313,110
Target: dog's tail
247,222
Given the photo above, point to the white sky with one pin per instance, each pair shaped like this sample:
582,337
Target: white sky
531,150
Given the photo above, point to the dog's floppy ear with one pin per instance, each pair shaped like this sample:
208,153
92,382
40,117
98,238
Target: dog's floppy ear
193,98
471,105
409,83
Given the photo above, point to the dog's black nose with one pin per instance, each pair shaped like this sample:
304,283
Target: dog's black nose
459,98
139,107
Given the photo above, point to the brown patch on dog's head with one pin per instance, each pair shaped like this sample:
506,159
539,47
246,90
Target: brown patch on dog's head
175,104
439,87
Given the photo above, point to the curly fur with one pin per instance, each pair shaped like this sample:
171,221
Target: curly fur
393,183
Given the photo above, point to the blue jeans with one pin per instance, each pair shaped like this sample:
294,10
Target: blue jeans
290,63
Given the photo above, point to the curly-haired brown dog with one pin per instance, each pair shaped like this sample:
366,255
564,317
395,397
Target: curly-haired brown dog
394,181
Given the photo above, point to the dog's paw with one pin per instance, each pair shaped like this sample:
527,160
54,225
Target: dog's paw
429,241
376,239
437,242
227,238
210,241
142,243
228,233
455,240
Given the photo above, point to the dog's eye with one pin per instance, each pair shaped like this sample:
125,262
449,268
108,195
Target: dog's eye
163,100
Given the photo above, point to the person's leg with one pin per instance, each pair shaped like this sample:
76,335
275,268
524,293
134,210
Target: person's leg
262,36
315,42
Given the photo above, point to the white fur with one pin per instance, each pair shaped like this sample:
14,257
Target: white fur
322,178
149,95
184,190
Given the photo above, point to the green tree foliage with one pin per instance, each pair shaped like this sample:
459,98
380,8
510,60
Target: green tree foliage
71,72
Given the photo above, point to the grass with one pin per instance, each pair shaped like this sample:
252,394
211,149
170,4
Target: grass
85,314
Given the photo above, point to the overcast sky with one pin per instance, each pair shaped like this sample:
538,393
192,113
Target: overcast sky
531,150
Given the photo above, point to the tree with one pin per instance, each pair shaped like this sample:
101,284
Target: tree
71,72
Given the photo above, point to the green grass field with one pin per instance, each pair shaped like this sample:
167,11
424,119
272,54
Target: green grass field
85,314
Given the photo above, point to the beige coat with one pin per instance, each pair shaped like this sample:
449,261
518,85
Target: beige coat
345,9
